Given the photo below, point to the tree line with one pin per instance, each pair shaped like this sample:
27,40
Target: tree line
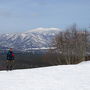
71,46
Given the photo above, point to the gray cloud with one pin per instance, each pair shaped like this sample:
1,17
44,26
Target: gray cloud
5,13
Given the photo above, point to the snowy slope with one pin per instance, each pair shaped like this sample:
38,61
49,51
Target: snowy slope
35,38
64,77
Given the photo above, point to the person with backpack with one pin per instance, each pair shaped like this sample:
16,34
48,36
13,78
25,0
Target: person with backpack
10,59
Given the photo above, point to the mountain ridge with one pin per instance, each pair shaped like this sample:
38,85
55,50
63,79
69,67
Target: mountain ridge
35,38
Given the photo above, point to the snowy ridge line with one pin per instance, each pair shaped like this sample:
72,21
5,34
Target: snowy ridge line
43,29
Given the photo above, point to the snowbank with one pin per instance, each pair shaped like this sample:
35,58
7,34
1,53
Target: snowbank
64,77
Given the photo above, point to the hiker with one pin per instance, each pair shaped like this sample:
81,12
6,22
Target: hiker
10,59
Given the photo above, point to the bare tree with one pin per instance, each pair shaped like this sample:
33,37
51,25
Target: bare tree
70,46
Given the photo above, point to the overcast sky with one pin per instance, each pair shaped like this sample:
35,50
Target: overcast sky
23,15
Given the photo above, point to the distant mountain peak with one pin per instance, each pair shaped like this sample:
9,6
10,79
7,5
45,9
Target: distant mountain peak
41,29
35,38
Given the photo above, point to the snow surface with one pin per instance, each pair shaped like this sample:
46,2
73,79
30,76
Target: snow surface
64,77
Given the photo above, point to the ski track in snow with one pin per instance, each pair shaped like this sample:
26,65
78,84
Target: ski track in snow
62,77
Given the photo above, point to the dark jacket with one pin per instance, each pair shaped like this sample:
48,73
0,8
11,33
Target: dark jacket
10,55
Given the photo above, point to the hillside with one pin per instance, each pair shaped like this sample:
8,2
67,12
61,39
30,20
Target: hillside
35,38
64,77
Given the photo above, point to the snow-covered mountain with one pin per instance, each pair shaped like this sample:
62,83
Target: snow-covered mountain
35,38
